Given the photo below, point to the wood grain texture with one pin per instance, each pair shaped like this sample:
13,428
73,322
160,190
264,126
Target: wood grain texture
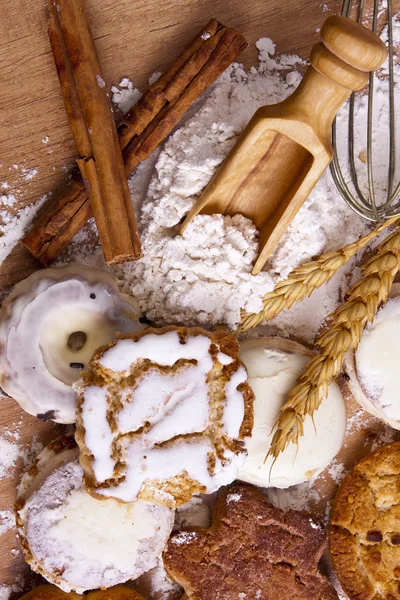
134,39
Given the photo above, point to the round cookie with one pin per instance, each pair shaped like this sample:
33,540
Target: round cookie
252,550
77,542
365,527
50,325
163,414
372,368
47,591
274,364
52,592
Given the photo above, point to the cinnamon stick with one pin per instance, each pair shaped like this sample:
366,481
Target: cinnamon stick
141,131
90,116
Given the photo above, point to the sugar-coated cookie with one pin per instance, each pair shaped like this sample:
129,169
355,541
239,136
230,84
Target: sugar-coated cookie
365,527
77,542
163,414
372,368
252,550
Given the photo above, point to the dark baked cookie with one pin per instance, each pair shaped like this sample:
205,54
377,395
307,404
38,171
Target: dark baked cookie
365,527
253,550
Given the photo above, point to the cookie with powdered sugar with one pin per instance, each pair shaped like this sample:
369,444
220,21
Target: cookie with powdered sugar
163,414
77,542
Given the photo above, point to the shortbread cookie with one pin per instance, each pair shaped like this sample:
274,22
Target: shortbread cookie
76,541
373,367
252,550
50,325
365,527
51,592
274,364
163,414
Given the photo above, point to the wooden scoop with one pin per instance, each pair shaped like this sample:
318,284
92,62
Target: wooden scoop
286,147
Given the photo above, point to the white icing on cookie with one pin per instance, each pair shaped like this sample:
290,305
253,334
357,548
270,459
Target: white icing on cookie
273,372
49,328
172,404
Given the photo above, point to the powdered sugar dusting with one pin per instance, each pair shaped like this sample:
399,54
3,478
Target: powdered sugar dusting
233,498
183,537
203,276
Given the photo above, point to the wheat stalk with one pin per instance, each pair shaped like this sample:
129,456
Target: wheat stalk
344,333
303,280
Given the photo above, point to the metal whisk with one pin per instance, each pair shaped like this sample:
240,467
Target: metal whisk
365,204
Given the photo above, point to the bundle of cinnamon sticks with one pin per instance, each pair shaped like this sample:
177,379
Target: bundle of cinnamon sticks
141,131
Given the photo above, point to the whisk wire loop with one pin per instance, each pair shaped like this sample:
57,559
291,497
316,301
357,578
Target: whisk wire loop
365,204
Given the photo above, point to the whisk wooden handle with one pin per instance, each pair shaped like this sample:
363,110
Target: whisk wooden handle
347,53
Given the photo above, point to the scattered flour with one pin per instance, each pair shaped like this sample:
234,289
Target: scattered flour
10,452
204,276
7,590
209,266
7,520
337,471
13,222
125,95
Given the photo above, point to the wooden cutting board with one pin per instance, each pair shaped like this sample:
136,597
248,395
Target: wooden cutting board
134,39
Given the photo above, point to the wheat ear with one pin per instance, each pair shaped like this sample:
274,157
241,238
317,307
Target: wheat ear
345,330
303,280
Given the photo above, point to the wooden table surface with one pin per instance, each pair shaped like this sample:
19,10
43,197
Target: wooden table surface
134,38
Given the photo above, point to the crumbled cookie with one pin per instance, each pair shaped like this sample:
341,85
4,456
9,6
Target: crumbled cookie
252,550
163,414
365,527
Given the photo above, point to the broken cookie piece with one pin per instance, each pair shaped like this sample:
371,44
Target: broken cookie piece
252,550
163,414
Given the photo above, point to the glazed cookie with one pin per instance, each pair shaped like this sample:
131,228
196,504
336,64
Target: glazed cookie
77,542
252,550
274,364
365,527
372,368
163,415
50,325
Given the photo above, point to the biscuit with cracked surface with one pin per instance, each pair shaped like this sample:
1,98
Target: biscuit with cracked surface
252,550
365,527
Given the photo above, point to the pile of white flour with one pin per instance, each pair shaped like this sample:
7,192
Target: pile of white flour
204,276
